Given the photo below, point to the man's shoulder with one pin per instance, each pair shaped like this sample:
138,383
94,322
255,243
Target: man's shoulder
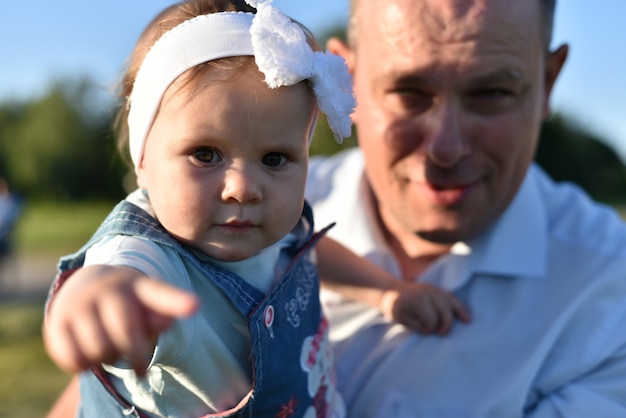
574,218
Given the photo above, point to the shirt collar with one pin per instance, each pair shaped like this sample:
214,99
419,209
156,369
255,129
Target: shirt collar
516,245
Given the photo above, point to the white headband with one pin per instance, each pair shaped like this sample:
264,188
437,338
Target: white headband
280,50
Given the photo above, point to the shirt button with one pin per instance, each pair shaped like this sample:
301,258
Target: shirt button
268,316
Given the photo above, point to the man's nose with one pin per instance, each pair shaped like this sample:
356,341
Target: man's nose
445,143
241,186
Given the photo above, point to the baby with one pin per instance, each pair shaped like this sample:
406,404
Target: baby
201,295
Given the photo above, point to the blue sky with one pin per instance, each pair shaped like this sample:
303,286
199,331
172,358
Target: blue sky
46,40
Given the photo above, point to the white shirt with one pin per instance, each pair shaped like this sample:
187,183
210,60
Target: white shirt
546,287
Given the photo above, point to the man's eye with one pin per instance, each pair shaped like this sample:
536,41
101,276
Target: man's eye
412,100
492,94
206,155
274,159
492,100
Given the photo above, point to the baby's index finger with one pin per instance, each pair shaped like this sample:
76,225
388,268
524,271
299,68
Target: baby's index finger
165,300
461,312
458,308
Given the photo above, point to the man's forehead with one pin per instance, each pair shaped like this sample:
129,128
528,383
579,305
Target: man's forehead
445,19
433,30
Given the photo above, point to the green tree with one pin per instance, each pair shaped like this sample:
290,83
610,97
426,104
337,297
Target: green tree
9,114
569,153
59,148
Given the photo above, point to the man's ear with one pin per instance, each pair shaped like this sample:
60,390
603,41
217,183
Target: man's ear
554,64
338,47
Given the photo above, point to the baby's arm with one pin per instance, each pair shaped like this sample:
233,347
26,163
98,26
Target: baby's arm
105,312
420,306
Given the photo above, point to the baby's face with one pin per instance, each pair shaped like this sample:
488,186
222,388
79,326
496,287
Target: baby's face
226,160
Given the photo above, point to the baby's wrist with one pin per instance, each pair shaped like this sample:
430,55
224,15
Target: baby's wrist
387,300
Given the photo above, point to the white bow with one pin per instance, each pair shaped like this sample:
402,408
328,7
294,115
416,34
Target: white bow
284,56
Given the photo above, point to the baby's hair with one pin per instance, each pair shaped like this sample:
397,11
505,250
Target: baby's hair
162,23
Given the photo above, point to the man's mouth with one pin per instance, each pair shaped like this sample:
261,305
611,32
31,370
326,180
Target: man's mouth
447,195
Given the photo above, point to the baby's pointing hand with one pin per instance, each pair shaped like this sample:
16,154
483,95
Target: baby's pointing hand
103,313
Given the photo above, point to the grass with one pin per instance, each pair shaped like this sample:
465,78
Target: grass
58,228
30,382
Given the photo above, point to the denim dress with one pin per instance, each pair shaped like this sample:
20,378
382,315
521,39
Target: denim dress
291,361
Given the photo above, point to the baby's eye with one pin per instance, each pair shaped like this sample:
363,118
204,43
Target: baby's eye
274,159
206,155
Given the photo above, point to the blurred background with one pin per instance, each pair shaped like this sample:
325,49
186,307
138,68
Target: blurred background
60,172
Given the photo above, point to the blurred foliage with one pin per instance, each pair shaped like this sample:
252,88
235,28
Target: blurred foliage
323,142
60,148
568,153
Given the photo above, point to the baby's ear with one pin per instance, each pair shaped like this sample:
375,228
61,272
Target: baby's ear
140,174
338,47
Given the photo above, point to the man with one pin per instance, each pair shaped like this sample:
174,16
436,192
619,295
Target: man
451,97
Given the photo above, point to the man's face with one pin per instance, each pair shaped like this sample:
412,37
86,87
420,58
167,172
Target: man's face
451,96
